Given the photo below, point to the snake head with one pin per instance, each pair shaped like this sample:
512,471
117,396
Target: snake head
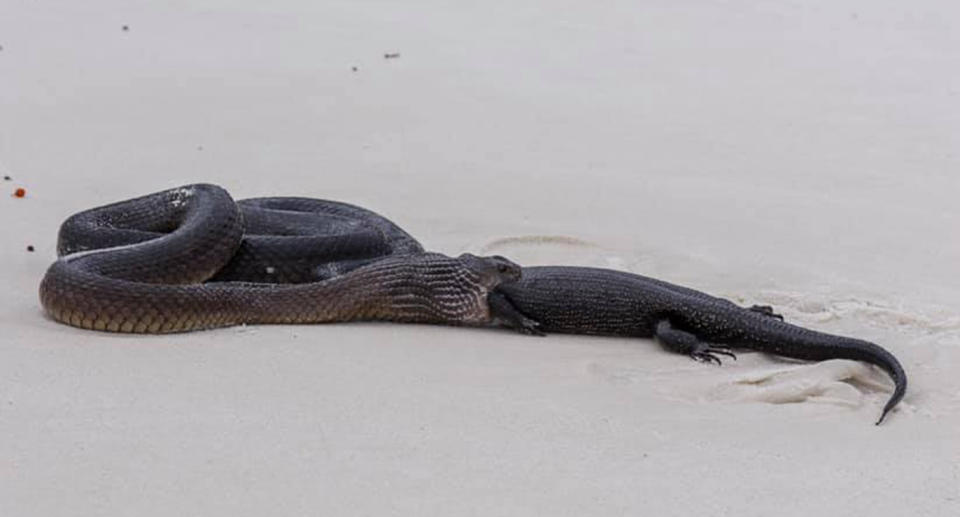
493,270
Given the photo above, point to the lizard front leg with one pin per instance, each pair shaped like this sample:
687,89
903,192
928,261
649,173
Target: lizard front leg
503,312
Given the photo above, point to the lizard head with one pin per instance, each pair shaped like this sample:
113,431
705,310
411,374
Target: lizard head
493,270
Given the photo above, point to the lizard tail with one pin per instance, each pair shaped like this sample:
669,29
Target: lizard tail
800,343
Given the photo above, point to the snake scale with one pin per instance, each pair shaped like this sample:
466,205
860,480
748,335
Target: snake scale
191,258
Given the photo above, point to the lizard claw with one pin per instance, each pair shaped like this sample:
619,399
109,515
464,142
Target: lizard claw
530,327
705,357
709,354
766,310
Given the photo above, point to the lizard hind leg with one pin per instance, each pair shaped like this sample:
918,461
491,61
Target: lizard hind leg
683,342
766,310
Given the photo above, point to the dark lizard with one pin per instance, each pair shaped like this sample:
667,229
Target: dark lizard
582,300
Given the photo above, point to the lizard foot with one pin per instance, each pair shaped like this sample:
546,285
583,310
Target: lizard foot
503,312
766,310
529,327
683,342
708,354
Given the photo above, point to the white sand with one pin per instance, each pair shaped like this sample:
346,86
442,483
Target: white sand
803,154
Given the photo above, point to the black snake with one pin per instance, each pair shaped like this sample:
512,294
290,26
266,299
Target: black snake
191,258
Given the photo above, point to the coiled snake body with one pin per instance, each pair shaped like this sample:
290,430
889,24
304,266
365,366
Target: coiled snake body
191,258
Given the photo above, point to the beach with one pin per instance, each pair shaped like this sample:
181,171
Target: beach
799,155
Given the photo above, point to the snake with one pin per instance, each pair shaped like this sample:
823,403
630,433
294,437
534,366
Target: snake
191,258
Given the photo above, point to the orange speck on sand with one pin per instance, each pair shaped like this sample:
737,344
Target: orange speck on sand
20,192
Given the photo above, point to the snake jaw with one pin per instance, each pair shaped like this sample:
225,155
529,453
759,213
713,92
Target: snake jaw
508,268
491,270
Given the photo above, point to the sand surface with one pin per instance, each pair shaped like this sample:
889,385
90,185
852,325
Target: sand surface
801,154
